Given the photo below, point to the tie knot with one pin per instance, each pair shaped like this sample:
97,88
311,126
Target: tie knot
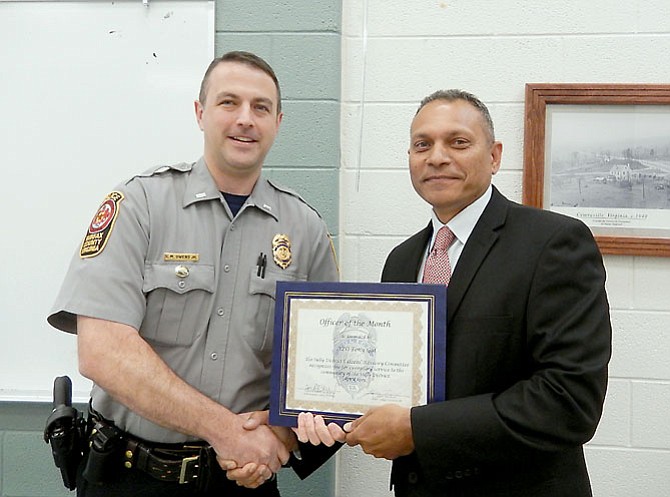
444,238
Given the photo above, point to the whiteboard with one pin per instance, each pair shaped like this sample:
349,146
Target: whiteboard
90,94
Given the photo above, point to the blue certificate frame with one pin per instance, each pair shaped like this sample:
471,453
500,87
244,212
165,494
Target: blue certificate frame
342,348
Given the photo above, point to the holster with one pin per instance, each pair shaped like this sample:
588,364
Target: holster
65,432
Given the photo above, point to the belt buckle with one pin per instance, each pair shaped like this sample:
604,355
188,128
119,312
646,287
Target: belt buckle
185,462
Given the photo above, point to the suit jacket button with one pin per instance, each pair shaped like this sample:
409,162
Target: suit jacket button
458,474
450,475
412,477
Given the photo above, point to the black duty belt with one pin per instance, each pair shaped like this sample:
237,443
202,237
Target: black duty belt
183,464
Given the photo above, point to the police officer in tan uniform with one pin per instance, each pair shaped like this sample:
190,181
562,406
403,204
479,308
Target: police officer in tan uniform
171,295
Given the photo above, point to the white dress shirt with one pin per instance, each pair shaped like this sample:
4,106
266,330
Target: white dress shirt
461,225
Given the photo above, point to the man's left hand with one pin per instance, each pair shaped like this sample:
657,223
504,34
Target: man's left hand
384,432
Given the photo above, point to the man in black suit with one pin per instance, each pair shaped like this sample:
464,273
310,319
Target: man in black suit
528,333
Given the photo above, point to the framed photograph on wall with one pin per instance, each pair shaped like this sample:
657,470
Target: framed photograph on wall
601,153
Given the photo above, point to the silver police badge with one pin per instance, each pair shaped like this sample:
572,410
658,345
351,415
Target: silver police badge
354,353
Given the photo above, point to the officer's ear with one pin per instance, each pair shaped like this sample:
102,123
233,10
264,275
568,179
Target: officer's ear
198,113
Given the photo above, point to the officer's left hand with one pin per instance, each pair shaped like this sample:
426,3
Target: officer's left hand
384,432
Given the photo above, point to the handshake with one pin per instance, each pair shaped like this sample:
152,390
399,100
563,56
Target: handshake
383,432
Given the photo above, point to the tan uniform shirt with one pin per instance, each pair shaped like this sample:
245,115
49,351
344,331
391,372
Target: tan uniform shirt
170,260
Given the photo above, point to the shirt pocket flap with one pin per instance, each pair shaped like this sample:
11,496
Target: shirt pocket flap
178,278
268,285
264,286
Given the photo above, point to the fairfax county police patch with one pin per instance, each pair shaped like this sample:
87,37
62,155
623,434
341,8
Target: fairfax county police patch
101,226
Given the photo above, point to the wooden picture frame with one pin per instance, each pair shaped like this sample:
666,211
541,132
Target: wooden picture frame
574,163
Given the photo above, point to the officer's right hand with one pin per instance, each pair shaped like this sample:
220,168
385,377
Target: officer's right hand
252,475
259,446
257,418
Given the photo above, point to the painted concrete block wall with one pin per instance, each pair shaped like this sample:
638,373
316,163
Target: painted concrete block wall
394,54
301,40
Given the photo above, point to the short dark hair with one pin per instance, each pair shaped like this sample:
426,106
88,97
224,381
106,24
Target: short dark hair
454,94
247,58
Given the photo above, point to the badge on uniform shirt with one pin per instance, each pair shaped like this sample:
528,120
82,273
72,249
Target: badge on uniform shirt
101,226
281,250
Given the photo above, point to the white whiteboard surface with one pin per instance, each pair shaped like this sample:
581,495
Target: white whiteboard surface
90,94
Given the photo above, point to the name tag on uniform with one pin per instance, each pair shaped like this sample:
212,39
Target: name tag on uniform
178,257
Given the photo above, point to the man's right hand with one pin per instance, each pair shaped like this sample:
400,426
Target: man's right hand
120,361
242,446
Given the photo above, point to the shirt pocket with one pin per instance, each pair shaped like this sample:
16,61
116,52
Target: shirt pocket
178,300
262,294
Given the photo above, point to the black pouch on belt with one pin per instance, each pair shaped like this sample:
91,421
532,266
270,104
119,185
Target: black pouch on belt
105,444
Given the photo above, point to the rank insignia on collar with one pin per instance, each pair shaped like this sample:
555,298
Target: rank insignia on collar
281,250
101,226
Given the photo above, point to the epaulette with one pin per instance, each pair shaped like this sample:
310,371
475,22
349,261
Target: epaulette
295,194
182,167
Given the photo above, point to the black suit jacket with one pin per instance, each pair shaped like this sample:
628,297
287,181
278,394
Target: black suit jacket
528,343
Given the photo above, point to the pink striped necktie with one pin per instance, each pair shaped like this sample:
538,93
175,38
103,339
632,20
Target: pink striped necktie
438,268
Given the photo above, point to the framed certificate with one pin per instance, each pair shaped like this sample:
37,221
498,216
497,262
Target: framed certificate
342,348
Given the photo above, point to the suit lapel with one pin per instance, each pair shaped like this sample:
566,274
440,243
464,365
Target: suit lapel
412,256
482,238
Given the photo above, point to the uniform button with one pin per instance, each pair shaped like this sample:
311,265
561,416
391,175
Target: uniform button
214,356
220,311
226,268
181,284
412,477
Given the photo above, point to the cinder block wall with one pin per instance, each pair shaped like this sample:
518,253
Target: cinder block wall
301,40
492,49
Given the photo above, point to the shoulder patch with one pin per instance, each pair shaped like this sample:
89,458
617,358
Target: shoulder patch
101,226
